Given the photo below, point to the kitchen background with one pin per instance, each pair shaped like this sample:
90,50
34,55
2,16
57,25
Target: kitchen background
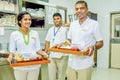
41,12
102,8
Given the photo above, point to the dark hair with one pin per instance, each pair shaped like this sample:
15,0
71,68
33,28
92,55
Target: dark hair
81,2
20,16
57,14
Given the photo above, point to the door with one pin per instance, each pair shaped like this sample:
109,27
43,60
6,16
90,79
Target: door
115,40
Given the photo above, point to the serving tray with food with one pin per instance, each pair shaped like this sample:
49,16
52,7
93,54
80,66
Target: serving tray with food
20,61
68,49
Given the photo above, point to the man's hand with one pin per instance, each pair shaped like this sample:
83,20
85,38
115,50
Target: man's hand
58,45
90,50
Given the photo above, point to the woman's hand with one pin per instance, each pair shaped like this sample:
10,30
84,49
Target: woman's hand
39,57
43,53
10,57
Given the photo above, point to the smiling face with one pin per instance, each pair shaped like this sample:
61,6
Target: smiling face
57,21
81,10
25,21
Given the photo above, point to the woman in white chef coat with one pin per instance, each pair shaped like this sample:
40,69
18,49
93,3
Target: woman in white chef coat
25,42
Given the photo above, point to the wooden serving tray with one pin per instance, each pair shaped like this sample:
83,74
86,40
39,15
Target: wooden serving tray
29,63
67,51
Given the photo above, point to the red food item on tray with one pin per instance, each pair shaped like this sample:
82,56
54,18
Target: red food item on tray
75,48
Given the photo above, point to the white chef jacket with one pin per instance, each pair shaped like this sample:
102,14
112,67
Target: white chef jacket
83,35
17,45
60,37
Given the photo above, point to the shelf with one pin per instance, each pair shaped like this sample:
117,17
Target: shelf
8,12
36,17
36,2
34,7
8,26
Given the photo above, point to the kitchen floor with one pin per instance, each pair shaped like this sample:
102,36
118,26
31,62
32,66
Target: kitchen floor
106,74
